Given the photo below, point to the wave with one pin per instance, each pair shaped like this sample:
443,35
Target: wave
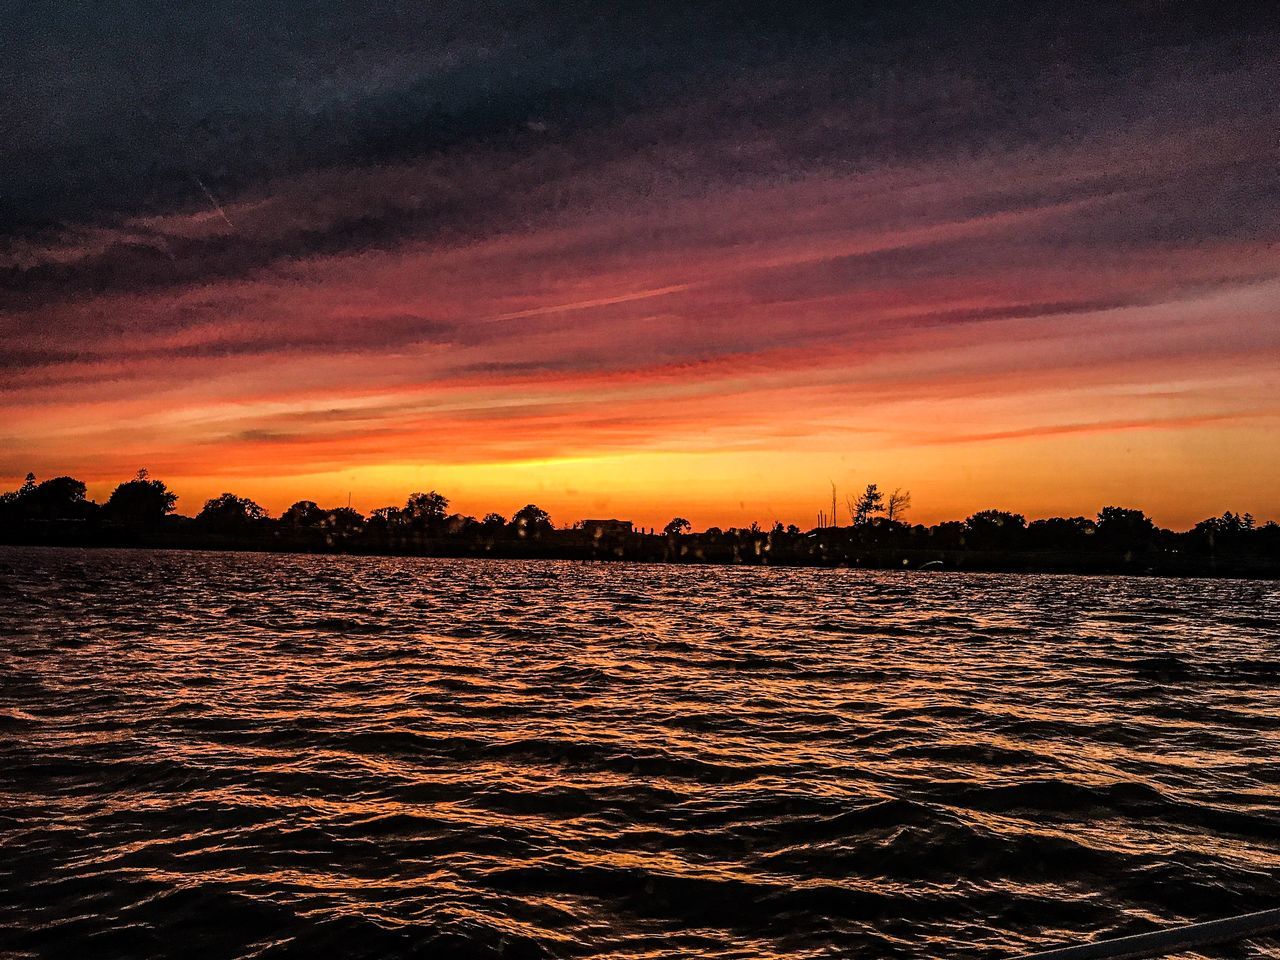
208,755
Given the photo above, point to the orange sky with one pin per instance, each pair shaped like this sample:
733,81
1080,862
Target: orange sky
1046,328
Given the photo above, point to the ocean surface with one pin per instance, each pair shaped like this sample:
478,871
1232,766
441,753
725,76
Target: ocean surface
238,755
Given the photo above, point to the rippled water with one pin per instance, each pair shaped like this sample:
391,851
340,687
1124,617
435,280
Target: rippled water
231,755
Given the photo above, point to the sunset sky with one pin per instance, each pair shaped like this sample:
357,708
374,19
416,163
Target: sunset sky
622,260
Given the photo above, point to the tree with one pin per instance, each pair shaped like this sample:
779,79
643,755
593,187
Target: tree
14,503
230,511
1228,528
994,528
11,500
1120,526
870,503
677,527
426,509
384,520
141,500
949,534
493,522
59,498
456,524
531,521
899,503
1061,532
304,513
341,522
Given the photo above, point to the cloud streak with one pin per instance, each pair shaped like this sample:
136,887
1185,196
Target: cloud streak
765,264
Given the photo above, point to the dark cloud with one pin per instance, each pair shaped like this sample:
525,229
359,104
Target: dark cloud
117,108
267,237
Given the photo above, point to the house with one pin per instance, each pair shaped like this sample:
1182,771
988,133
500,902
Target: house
600,529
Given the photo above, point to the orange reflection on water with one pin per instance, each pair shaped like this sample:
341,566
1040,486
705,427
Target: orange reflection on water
601,758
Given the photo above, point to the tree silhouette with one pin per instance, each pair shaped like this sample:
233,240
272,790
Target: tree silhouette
1124,527
994,528
304,513
230,511
1228,529
1061,532
459,525
385,518
677,527
870,503
140,500
59,498
426,510
1230,543
531,521
899,503
341,522
949,535
11,500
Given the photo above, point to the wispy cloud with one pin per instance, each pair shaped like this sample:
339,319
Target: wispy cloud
708,274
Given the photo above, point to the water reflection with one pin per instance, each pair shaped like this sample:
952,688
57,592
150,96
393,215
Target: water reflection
246,755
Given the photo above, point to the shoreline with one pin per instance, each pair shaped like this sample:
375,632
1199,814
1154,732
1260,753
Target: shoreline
689,550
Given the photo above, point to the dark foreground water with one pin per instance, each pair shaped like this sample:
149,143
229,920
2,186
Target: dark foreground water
234,755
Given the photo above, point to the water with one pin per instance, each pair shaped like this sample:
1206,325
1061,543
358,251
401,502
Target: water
237,755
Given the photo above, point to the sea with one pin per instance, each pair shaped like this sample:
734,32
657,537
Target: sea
234,755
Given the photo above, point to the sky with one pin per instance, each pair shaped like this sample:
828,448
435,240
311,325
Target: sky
625,260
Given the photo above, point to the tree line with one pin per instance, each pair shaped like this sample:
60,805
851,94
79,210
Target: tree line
144,500
142,510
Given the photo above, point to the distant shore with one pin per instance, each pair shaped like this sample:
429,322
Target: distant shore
141,512
825,547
